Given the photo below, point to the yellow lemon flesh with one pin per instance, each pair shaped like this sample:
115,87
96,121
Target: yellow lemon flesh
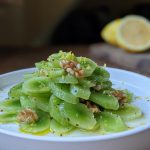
109,31
133,33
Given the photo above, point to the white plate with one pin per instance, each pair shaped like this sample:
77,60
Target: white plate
138,84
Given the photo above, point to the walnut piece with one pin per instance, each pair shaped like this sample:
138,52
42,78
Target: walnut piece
27,116
72,67
120,96
94,108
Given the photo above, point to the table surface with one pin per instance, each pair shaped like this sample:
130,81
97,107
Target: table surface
25,57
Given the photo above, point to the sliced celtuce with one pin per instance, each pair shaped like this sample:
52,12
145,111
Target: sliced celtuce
87,65
8,117
80,91
59,129
63,92
10,105
111,123
101,72
37,86
15,92
79,115
66,79
41,103
56,110
27,102
128,112
105,101
87,83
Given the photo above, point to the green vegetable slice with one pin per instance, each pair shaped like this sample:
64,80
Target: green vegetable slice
46,65
41,65
41,103
97,125
86,82
37,86
106,85
30,75
128,112
63,92
87,65
111,123
106,101
66,79
102,72
15,92
27,102
80,91
59,129
10,105
54,72
8,117
79,115
56,111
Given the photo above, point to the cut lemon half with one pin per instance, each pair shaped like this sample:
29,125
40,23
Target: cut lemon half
133,34
109,31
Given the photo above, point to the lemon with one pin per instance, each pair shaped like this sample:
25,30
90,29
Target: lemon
109,31
133,33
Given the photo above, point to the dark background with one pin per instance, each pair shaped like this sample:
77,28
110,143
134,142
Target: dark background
83,25
52,22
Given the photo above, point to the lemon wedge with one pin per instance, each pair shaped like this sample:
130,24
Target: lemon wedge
109,31
133,33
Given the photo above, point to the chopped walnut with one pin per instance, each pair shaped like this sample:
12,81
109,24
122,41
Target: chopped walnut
72,67
120,96
94,108
27,116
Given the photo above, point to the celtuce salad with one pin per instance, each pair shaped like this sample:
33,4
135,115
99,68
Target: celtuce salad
66,93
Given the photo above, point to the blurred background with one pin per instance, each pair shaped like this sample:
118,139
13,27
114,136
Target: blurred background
30,30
